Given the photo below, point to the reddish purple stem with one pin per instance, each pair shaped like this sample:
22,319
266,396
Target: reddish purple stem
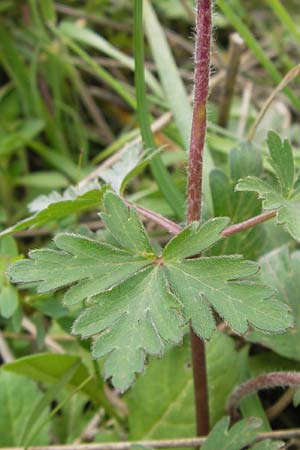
201,90
195,168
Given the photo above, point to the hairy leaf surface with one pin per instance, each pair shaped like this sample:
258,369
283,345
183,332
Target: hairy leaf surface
137,300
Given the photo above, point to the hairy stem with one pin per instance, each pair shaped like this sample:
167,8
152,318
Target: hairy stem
165,223
266,381
195,167
201,89
250,223
174,228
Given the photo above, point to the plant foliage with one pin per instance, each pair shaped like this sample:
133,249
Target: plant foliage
283,195
238,437
137,301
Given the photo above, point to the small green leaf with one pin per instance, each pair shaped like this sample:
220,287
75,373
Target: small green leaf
282,161
239,436
283,197
270,194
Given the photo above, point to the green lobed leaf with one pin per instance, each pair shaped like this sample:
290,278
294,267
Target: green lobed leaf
138,301
216,281
283,196
134,318
239,436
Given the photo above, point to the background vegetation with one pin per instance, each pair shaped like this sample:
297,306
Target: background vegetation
68,115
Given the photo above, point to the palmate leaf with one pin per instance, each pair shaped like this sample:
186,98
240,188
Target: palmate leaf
284,195
138,301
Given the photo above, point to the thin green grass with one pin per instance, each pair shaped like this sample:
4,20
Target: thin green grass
162,177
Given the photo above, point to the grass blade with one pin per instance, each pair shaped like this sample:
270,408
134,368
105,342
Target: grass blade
88,37
98,70
164,181
285,18
170,78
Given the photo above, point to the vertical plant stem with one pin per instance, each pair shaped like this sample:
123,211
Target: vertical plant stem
195,169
